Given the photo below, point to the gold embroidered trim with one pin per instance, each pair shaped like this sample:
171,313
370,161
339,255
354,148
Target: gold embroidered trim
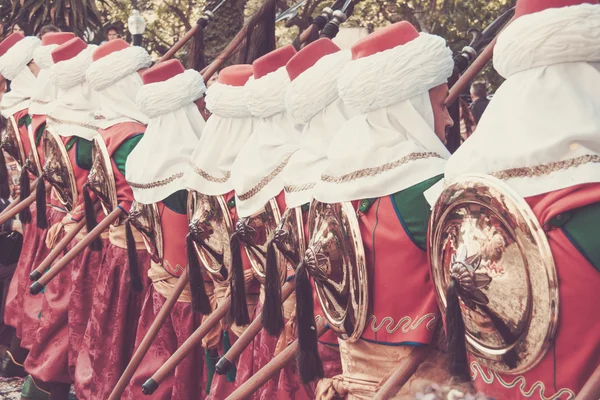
546,169
156,184
15,103
208,176
299,188
74,123
38,101
476,369
264,181
406,323
362,173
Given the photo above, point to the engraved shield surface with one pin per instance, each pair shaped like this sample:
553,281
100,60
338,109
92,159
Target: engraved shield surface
58,170
211,227
11,141
335,259
145,218
101,179
483,235
256,232
33,158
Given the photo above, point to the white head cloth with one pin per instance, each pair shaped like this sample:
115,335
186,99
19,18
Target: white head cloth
313,99
256,172
155,168
391,144
541,132
46,91
72,113
115,77
226,131
13,67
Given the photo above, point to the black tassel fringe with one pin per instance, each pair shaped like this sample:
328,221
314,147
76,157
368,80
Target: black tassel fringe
134,276
239,307
40,200
272,313
455,334
25,215
200,300
90,218
309,361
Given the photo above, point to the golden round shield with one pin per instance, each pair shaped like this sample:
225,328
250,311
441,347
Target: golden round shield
335,259
11,142
256,232
33,156
210,228
101,179
58,170
483,235
145,218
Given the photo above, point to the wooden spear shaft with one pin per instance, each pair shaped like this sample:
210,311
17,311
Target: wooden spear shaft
228,360
591,389
268,371
17,208
144,346
37,286
16,202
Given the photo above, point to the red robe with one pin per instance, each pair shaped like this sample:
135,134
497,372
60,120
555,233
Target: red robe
568,364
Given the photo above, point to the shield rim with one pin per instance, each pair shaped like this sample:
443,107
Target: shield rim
536,232
15,127
360,265
49,135
100,146
156,228
36,156
301,242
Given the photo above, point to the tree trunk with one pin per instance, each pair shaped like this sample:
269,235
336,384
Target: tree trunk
227,22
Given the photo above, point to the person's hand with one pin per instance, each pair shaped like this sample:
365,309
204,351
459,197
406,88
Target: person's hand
17,226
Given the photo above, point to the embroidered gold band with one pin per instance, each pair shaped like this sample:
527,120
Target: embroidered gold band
299,188
362,173
74,123
156,184
264,181
405,324
15,103
546,169
208,176
38,101
520,381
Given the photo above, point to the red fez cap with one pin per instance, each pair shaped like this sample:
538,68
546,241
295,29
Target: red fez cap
273,61
163,71
383,39
108,48
68,50
9,42
56,38
308,56
235,75
525,7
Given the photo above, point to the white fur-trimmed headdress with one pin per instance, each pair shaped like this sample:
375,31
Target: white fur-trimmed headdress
116,66
227,101
18,55
71,72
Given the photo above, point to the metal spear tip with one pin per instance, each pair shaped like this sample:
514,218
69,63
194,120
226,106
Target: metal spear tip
149,387
223,366
36,288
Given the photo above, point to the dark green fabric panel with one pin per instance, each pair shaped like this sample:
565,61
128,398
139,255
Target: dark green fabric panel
71,142
83,157
177,202
582,228
413,210
38,134
123,151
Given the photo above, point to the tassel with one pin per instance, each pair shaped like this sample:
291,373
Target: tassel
40,200
309,361
260,36
25,215
200,300
231,374
239,307
136,280
196,57
272,313
90,218
211,356
3,168
455,333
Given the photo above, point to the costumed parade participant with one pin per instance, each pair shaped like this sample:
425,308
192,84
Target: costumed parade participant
69,129
208,176
516,259
121,285
257,180
22,308
175,125
381,160
311,100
